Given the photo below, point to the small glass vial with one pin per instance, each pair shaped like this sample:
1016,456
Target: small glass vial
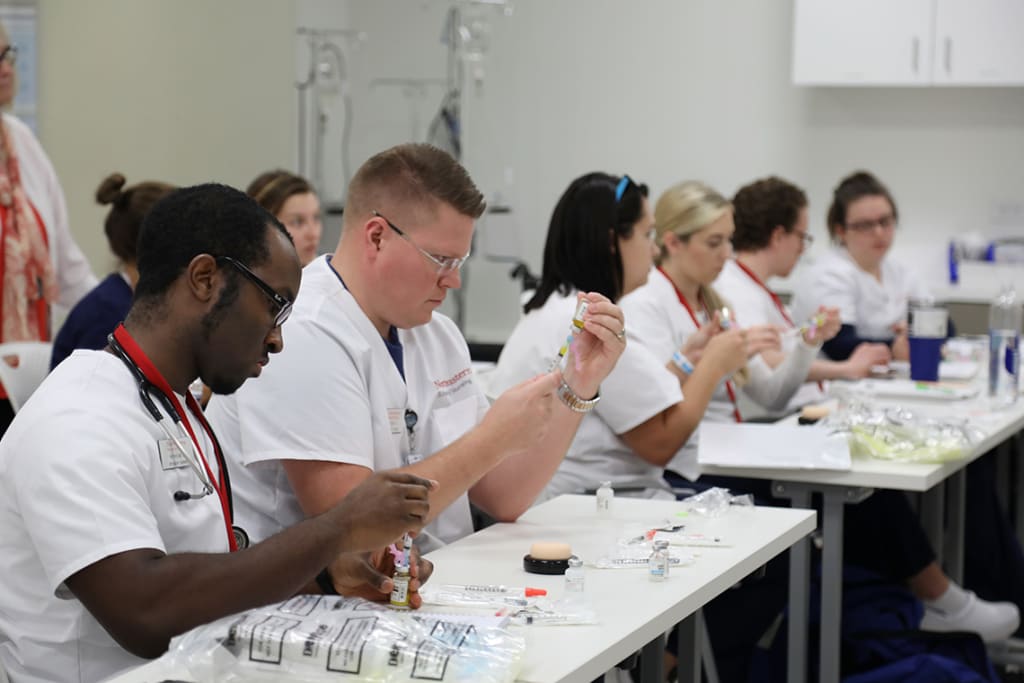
657,563
574,577
577,318
605,495
400,593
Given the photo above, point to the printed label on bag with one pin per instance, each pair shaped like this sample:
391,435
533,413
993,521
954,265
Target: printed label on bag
346,653
267,640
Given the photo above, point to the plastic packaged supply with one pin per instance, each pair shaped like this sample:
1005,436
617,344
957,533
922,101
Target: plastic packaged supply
320,639
897,433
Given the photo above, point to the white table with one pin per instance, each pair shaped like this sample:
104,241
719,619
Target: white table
840,488
634,612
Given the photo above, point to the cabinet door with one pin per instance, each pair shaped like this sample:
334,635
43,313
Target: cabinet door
979,42
862,42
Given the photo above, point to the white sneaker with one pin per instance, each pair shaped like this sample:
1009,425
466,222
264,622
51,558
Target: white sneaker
992,621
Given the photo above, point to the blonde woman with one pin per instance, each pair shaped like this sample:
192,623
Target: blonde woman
694,227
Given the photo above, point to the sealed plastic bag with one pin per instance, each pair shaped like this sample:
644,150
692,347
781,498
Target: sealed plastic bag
321,639
896,433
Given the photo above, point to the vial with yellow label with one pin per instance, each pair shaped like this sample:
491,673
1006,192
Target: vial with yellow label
400,592
577,318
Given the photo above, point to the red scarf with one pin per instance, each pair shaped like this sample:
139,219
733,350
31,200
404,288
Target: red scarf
29,282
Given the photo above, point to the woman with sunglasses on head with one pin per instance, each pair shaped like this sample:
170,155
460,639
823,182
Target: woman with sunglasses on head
599,241
870,290
41,266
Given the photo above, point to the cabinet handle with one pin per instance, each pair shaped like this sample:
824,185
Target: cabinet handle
915,52
949,56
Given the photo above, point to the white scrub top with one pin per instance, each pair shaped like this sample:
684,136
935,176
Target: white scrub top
335,394
81,478
638,388
864,302
655,314
659,321
753,305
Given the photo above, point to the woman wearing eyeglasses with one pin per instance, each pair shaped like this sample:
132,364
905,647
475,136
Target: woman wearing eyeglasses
870,290
40,264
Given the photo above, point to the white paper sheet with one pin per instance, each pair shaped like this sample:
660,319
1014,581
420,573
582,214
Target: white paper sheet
772,446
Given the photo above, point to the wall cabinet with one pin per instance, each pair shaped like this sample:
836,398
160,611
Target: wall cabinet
908,42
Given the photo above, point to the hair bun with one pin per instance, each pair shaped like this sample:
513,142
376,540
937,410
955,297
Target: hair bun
109,190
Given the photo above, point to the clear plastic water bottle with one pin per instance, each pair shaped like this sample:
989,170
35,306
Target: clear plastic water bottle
1004,327
657,563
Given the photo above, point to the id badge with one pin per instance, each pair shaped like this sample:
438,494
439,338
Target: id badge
171,457
413,458
396,420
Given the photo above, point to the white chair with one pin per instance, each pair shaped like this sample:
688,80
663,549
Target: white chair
23,366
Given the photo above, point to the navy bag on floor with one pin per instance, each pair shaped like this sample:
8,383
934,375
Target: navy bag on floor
881,642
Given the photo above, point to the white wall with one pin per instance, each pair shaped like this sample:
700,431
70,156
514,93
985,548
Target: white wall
661,89
183,91
667,90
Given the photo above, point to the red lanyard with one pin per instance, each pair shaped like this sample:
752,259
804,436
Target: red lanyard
728,384
775,299
153,376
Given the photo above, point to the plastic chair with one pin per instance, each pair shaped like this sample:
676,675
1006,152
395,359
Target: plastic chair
23,366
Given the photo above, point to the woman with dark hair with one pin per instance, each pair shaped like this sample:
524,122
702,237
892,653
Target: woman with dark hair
99,311
600,240
870,290
293,201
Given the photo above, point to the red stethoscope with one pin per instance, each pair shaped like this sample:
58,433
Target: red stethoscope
729,389
150,381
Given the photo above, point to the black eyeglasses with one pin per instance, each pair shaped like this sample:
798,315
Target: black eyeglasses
445,264
9,54
284,306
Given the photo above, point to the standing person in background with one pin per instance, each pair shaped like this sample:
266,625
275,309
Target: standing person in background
40,265
771,234
99,312
870,290
293,201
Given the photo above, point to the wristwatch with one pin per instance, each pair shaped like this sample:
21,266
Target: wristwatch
572,400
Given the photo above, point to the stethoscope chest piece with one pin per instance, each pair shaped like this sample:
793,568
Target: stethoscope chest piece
241,538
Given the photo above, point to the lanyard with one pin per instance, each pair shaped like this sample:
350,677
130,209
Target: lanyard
728,384
775,299
157,381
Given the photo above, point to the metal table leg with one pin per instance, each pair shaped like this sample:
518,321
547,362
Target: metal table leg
957,492
834,498
688,666
799,589
933,502
652,658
